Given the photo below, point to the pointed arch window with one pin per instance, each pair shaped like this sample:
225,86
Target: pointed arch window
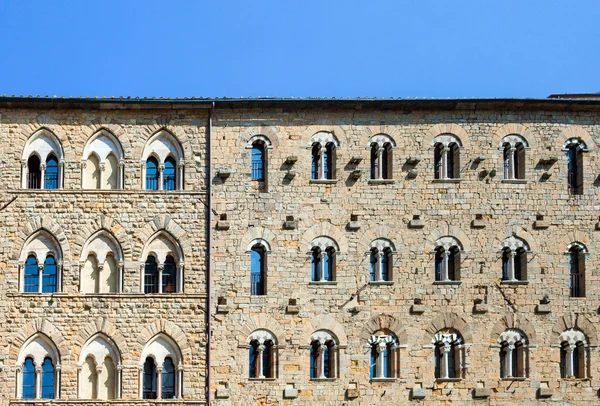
99,369
168,379
49,275
103,166
161,373
43,250
42,161
47,379
169,276
51,173
34,177
38,376
163,268
101,263
163,162
32,280
149,376
28,384
170,174
152,174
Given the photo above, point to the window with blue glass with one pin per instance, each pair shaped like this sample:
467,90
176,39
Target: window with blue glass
448,352
316,161
315,264
329,161
28,384
49,274
31,275
51,175
152,174
323,352
380,264
149,379
258,161
151,275
47,379
384,356
169,174
168,379
439,263
258,270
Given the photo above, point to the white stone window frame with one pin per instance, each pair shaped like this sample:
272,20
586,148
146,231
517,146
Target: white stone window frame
161,146
323,337
41,244
379,246
513,244
381,342
324,243
102,144
512,140
576,142
447,243
261,336
572,337
172,249
380,140
42,144
511,338
451,341
101,251
446,140
99,347
323,138
38,347
160,347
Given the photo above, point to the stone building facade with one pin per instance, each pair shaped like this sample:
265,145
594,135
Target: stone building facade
348,252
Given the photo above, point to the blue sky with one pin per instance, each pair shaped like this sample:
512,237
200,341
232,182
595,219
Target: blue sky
321,48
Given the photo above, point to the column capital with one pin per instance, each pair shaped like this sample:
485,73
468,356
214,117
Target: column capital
102,166
161,167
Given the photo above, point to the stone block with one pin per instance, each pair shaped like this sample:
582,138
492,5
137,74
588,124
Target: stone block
418,393
290,393
222,393
481,393
543,308
417,309
352,393
544,393
481,308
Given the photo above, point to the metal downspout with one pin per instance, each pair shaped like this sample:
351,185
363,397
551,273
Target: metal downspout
209,256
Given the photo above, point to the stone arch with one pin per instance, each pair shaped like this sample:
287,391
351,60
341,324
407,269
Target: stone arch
577,321
99,326
112,126
384,321
41,123
38,223
111,226
391,131
517,232
324,322
38,326
376,232
163,124
513,321
446,128
171,330
448,321
574,236
510,129
336,130
326,230
575,131
166,223
269,132
118,150
447,231
258,233
260,321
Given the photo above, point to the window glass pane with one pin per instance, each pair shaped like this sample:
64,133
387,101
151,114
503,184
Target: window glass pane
257,162
152,174
49,276
315,161
439,263
47,379
326,362
257,271
169,276
149,379
252,360
32,280
316,264
28,379
267,360
373,366
314,359
169,174
373,265
168,379
327,265
151,275
386,362
51,176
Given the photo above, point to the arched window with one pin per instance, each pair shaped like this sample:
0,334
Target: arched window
169,174
38,376
513,354
99,372
161,371
385,356
448,354
258,161
101,263
381,157
577,253
262,355
151,174
92,175
42,161
323,259
447,259
258,278
163,266
323,355
164,160
323,149
315,264
514,260
574,354
380,261
41,248
513,150
102,162
575,149
447,156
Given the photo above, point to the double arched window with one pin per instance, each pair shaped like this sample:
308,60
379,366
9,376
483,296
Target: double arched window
448,354
323,259
41,264
101,264
446,156
323,150
102,163
99,369
514,260
381,146
42,162
163,266
163,162
576,252
258,267
381,261
38,367
447,259
574,354
262,355
575,148
513,354
161,369
385,355
323,355
513,153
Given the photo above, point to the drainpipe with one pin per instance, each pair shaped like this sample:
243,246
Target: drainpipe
209,255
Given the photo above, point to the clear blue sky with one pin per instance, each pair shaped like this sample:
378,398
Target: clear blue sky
344,48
